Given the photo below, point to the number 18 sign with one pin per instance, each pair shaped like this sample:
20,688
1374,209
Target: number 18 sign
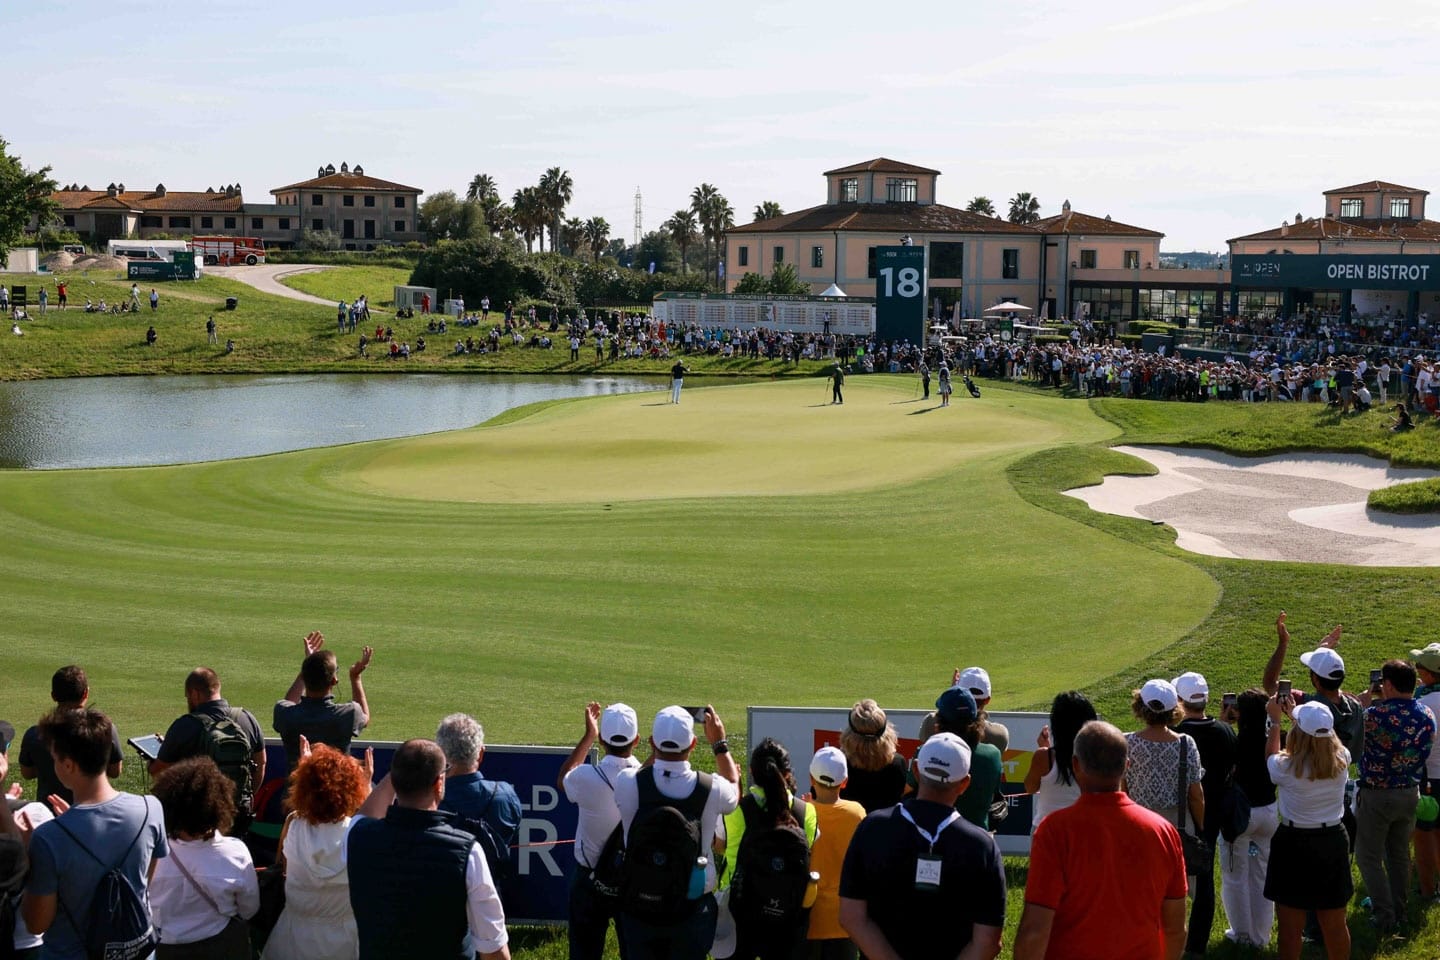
900,293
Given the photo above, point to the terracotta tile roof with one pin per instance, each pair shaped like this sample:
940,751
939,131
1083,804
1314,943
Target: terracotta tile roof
884,218
1320,228
1404,229
148,200
882,165
1074,222
1370,186
348,181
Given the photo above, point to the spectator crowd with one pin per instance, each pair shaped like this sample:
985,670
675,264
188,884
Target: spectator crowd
850,850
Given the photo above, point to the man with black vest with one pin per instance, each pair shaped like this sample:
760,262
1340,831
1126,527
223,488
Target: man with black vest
420,887
669,812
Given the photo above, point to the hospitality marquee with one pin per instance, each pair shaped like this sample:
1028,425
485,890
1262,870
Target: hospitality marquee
1330,272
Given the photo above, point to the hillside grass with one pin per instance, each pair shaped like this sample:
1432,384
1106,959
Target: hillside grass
348,283
276,334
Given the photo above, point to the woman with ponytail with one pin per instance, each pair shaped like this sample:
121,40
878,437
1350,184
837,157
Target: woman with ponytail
766,869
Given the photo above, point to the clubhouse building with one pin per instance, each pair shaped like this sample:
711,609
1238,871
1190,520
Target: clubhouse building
1069,263
363,211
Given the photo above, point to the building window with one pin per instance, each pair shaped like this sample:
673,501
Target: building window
947,261
151,222
1087,259
317,225
207,222
901,190
1132,259
779,255
257,223
69,219
347,200
850,190
870,263
229,223
399,226
369,201
1400,208
1010,264
284,223
1353,207
347,230
817,257
743,254
399,203
180,222
369,229
317,200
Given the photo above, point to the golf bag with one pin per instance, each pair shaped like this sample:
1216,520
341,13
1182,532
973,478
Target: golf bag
970,385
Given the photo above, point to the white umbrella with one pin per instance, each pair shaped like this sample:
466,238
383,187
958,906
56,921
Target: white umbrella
1009,306
834,291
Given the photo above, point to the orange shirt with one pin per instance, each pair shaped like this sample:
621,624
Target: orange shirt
837,822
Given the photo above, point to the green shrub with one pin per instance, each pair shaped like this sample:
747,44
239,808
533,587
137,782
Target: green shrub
1418,496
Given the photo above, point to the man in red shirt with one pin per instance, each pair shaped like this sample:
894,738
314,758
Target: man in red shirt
1107,876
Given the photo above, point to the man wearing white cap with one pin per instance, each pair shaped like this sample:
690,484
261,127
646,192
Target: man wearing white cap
1427,832
1107,876
1216,742
667,904
592,789
977,681
920,881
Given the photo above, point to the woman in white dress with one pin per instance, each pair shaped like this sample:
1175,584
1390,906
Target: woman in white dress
326,788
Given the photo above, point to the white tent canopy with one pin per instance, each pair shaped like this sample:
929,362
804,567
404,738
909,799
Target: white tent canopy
1009,306
834,291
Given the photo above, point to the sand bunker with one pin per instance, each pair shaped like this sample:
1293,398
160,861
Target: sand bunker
1307,507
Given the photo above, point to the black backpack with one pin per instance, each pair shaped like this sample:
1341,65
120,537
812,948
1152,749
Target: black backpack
226,743
607,876
662,850
772,869
496,850
119,926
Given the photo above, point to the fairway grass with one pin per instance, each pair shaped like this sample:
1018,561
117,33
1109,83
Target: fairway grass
350,282
522,612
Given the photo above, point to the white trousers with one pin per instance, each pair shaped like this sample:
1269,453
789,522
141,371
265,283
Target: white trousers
675,390
1242,879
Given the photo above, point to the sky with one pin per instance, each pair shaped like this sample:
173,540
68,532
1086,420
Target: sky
1203,120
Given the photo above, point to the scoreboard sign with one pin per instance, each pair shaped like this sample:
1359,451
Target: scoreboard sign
900,293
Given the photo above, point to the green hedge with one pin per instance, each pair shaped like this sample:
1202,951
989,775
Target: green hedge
1419,496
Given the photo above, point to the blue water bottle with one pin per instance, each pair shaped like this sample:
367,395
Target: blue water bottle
697,878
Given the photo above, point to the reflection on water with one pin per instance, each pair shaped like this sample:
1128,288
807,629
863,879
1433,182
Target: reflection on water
136,421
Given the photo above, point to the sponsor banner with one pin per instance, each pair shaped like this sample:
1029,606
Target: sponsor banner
803,730
544,855
1330,272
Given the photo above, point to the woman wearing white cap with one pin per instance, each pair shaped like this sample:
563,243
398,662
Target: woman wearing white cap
1310,855
1156,752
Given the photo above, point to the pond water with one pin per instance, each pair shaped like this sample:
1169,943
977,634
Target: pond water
142,421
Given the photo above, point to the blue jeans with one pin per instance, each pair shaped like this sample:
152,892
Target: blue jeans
689,938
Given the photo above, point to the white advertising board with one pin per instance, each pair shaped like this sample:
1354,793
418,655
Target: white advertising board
803,730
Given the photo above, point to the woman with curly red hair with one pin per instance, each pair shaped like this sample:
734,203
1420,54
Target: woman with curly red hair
326,788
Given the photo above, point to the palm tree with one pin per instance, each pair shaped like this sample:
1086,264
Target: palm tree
597,234
556,189
683,230
530,215
702,200
482,188
768,210
1024,209
572,235
722,218
500,219
981,205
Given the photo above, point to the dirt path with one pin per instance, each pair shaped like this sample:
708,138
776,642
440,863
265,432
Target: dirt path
265,277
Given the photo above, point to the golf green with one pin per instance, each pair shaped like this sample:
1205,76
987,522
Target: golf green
753,545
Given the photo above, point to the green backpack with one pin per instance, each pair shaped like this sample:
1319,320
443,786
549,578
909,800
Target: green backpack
226,743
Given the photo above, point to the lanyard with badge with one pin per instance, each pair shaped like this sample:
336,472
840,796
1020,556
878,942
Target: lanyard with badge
927,865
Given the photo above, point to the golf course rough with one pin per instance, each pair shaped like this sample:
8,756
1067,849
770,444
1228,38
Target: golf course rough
748,546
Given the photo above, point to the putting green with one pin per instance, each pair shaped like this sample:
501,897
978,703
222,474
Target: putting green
904,553
768,439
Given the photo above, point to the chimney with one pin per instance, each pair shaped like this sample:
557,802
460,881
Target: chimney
1298,218
1284,228
111,189
344,167
159,189
320,172
359,170
120,188
1065,207
329,169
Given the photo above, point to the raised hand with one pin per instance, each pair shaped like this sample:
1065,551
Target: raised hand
314,640
1332,639
359,666
305,749
592,719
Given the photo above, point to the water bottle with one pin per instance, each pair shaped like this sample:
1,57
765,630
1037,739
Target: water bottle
697,878
812,890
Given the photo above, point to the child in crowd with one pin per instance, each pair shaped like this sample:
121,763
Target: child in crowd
837,821
1401,421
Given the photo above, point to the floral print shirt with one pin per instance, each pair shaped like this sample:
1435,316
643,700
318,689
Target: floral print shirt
1398,735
